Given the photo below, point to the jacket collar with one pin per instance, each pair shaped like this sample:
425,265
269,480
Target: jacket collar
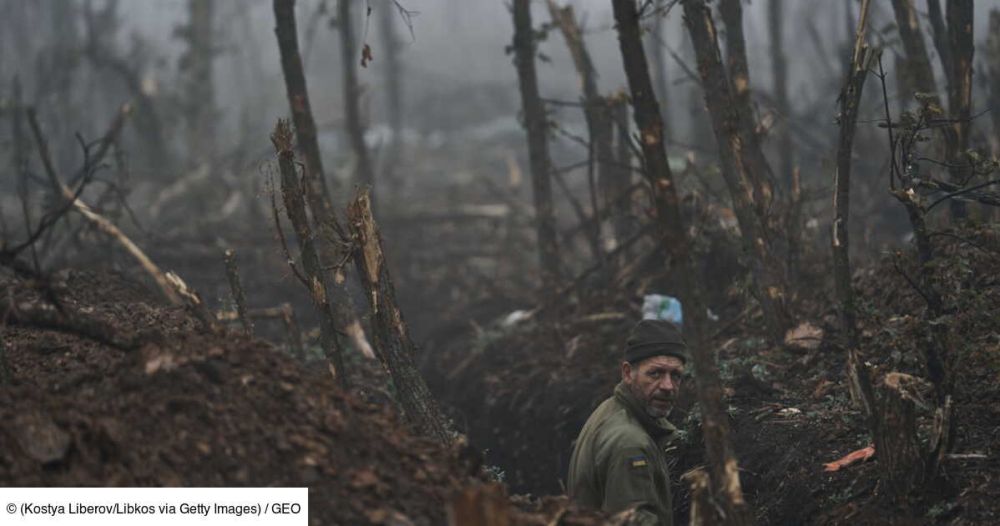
657,428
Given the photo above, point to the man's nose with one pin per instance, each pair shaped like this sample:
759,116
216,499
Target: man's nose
668,383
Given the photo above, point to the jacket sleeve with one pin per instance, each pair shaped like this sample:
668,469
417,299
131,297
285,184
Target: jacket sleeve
630,483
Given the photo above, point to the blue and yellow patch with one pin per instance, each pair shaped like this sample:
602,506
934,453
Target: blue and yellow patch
638,461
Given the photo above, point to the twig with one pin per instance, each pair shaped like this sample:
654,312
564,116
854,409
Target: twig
963,191
281,237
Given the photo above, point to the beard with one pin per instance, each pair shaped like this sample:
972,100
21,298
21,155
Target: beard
661,409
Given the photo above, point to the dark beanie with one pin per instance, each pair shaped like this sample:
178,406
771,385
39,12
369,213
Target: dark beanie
654,338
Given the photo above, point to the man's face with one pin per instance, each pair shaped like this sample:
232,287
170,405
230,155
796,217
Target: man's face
654,383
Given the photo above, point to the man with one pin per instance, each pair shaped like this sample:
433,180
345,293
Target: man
618,460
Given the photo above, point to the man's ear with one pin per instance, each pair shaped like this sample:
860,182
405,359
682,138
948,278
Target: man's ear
626,371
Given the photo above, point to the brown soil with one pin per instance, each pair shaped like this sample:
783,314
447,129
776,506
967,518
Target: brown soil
193,408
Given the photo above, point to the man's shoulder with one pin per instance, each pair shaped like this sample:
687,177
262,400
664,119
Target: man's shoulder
620,430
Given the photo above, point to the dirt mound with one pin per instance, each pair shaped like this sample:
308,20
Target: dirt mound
186,407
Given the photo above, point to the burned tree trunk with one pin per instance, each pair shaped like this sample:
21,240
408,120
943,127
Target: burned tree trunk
769,286
850,100
918,62
392,338
957,62
756,166
596,110
536,124
959,14
365,175
779,70
621,172
298,99
393,83
940,33
658,43
993,67
330,233
900,460
724,473
316,279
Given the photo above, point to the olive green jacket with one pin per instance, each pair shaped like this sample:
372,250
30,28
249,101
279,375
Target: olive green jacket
619,461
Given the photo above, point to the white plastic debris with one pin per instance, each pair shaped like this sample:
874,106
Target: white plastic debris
515,317
662,307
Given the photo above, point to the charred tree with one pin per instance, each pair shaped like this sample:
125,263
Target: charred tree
904,471
940,33
622,219
298,98
658,44
536,124
959,14
392,338
596,110
850,100
993,68
779,72
917,59
955,48
332,236
392,69
766,270
316,279
723,469
364,174
756,167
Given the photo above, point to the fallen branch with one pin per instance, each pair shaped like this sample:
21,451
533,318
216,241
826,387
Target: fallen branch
99,221
36,312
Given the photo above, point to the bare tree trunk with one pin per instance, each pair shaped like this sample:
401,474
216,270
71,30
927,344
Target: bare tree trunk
959,14
596,110
850,100
723,468
959,77
769,286
327,226
196,63
940,33
658,43
317,280
918,61
538,146
993,66
393,84
900,459
365,175
779,69
621,174
298,99
392,338
757,168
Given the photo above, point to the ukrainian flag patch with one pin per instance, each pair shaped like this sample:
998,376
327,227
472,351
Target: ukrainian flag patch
638,461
